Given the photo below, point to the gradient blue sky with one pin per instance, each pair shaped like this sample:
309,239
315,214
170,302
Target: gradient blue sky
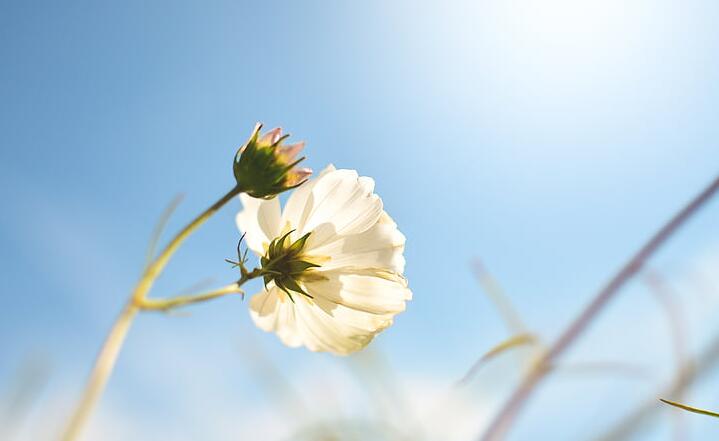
550,138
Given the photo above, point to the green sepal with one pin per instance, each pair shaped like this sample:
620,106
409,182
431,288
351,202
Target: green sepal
284,264
281,286
298,266
292,284
297,246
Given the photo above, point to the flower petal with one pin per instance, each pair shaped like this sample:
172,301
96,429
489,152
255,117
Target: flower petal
347,311
371,291
380,247
273,312
323,333
271,136
260,220
297,206
303,322
338,202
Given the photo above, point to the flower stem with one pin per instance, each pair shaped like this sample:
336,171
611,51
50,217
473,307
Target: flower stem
153,270
100,372
107,357
500,425
179,301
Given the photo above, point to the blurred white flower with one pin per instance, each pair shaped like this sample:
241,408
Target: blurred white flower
335,263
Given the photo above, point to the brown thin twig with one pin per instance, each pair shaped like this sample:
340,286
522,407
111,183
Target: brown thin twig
501,423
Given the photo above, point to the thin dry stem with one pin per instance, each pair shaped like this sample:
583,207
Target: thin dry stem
691,371
502,422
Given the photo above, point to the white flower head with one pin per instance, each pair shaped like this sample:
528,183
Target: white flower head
335,262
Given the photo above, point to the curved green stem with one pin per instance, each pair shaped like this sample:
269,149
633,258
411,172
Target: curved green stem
180,301
107,357
153,270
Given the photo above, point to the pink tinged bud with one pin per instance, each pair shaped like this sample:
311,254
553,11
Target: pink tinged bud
288,152
264,167
271,137
298,175
304,173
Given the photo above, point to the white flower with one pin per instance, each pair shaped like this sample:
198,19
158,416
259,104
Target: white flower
358,287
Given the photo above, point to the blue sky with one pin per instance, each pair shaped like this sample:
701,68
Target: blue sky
548,138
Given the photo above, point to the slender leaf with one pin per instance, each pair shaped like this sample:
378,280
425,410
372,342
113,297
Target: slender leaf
511,343
690,408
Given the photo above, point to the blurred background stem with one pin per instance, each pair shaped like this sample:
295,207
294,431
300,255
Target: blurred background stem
691,370
113,343
502,422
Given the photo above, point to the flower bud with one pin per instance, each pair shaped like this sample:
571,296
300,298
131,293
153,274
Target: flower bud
264,167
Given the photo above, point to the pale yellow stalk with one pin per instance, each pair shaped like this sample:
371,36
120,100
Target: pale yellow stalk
138,301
